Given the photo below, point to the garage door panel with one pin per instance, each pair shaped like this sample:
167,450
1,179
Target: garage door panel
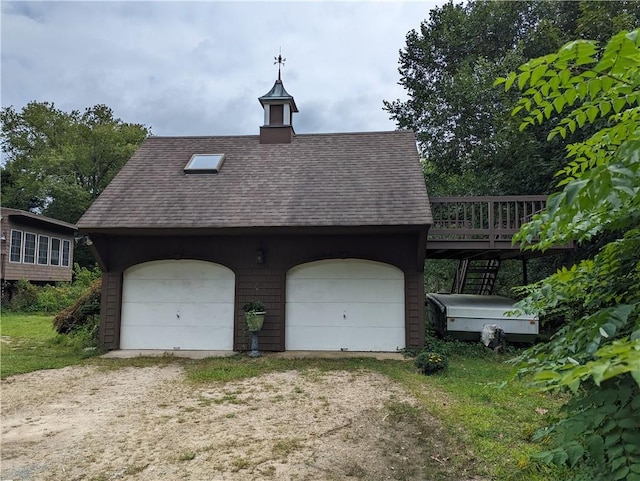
355,315
337,339
346,290
179,337
345,304
183,315
178,304
185,291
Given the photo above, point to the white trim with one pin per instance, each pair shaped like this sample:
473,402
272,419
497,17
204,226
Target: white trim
286,115
51,252
40,236
24,248
267,110
19,261
68,244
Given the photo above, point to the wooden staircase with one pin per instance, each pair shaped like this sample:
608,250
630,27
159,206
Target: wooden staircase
475,276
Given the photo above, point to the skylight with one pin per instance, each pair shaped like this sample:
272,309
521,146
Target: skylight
205,163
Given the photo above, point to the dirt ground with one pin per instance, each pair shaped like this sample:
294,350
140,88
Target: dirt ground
88,423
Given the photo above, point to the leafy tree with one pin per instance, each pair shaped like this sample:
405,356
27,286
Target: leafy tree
57,163
596,355
469,142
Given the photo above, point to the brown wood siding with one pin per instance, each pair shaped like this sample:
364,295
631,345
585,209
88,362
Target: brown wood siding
110,308
276,134
264,281
13,271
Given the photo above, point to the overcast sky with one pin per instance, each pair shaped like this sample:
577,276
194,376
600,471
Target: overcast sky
197,68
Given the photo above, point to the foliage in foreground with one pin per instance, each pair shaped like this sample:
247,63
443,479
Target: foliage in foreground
596,355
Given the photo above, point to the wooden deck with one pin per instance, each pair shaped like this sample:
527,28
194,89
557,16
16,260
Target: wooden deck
481,227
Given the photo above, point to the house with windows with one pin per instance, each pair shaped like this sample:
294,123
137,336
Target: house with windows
34,247
328,230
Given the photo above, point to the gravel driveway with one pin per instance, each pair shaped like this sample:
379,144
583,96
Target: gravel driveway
150,423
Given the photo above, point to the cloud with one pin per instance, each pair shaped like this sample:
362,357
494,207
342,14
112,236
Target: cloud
197,68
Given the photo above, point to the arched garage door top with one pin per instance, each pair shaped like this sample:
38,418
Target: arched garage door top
346,269
345,304
178,269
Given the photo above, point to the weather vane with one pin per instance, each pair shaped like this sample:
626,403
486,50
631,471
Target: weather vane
280,61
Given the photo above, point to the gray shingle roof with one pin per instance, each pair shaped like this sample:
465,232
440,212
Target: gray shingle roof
345,179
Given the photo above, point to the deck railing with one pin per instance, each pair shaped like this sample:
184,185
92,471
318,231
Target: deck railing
491,219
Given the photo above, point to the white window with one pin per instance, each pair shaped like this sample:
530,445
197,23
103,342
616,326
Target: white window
16,246
66,250
55,251
43,250
29,248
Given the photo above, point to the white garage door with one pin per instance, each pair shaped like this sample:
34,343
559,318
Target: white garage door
345,304
177,304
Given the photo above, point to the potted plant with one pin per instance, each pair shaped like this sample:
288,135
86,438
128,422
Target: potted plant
254,315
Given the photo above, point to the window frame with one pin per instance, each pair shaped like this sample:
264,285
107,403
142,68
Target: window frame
12,246
40,237
66,247
24,247
59,251
189,169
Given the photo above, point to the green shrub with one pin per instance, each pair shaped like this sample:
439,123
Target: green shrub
25,297
28,297
429,362
82,336
83,313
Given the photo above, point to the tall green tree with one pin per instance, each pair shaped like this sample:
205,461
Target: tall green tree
469,142
595,88
56,163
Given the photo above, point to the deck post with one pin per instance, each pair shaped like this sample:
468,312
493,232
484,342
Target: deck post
492,236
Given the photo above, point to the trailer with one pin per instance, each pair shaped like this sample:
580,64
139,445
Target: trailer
463,316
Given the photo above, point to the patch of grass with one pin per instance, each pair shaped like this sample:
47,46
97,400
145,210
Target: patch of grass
403,411
228,399
29,343
135,469
188,456
493,418
240,367
284,447
240,463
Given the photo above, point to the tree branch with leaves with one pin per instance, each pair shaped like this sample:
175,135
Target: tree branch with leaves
596,354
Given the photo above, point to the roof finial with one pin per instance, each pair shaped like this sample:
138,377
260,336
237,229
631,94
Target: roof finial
280,61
